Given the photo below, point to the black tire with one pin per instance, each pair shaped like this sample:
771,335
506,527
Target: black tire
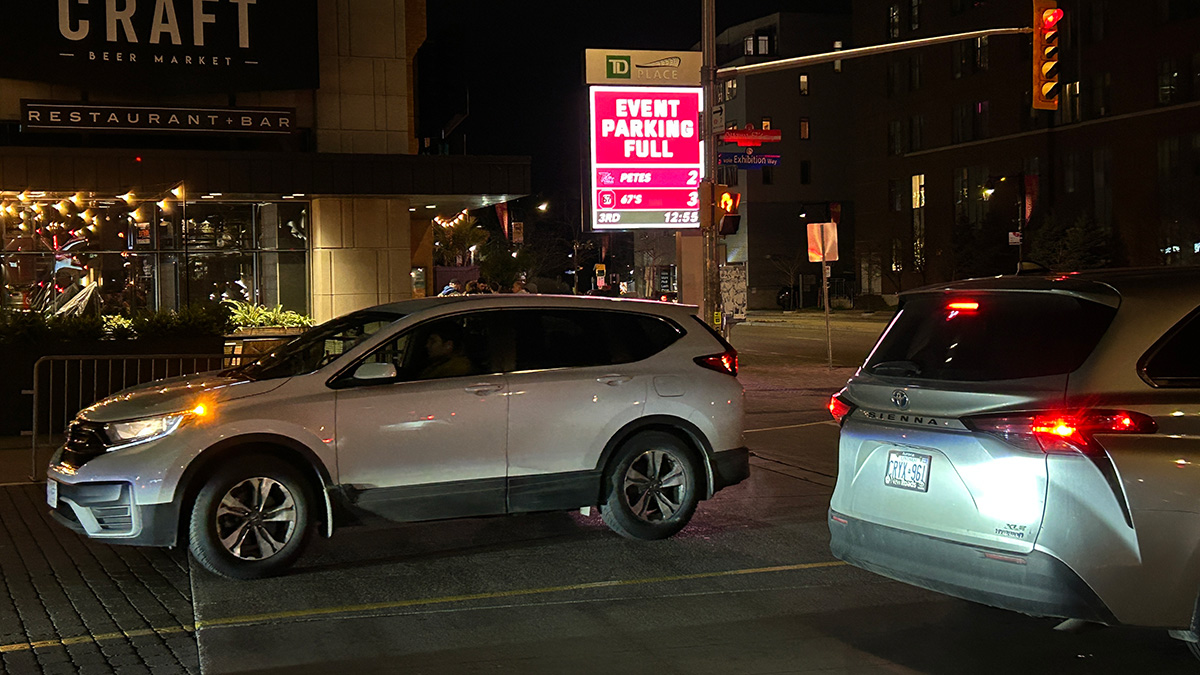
234,539
646,500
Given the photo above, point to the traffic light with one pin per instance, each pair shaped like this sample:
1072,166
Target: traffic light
1046,17
727,208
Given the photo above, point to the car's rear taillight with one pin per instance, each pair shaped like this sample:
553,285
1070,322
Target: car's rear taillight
725,362
839,407
1063,432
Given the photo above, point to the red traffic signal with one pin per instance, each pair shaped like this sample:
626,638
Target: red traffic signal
1046,17
1050,18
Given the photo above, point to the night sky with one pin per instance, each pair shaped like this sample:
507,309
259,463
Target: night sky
522,63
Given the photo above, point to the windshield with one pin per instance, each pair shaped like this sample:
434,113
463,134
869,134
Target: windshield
317,346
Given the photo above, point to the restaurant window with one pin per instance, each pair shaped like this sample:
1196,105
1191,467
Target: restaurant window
152,252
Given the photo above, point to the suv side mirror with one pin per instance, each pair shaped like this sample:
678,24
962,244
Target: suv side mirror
375,371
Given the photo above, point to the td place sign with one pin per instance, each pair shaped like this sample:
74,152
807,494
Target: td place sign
170,46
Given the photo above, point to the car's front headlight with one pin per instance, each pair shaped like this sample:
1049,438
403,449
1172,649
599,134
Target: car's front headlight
146,429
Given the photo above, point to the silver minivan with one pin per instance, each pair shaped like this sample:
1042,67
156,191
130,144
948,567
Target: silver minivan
417,410
1033,443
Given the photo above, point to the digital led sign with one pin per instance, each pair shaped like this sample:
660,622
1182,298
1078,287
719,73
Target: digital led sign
647,159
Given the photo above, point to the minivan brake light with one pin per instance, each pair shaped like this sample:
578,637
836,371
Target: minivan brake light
839,407
1061,432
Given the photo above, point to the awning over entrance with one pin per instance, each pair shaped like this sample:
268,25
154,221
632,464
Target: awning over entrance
452,182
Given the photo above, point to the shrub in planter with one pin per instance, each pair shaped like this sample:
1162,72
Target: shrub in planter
249,315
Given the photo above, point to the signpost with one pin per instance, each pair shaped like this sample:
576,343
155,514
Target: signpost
646,157
752,137
822,248
747,160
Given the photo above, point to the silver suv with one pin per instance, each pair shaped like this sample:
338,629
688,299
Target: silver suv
1029,443
417,410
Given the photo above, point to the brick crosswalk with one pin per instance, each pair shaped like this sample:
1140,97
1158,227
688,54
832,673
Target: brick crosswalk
71,605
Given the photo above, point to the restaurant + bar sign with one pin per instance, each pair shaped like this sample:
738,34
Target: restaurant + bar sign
82,117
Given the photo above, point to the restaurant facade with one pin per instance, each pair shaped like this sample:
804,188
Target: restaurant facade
162,153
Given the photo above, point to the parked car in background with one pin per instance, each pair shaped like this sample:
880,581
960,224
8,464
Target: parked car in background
417,410
1033,443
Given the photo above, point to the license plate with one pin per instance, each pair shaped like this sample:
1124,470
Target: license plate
52,493
908,470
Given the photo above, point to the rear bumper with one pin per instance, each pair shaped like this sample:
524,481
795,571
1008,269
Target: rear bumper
730,467
1035,583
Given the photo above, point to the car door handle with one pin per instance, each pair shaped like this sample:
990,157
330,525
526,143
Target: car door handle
614,380
484,389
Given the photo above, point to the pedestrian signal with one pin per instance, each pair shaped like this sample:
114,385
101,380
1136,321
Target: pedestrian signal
727,209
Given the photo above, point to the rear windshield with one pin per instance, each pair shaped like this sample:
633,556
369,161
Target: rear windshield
996,336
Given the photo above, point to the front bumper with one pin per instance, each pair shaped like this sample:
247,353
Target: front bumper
730,467
106,511
1035,583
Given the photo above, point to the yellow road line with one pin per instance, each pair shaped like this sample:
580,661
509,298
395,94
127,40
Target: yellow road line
81,639
397,604
790,426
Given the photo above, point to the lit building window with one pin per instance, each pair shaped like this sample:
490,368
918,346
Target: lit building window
918,221
804,84
804,128
894,21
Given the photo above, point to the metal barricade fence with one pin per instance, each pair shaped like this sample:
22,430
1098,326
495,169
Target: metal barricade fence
65,384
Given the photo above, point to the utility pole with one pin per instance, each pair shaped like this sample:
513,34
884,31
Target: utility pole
712,307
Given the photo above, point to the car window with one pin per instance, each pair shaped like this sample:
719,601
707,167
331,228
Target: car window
455,346
578,338
318,346
633,337
989,336
1176,361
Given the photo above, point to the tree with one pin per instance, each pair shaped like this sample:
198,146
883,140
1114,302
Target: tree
1084,245
453,241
